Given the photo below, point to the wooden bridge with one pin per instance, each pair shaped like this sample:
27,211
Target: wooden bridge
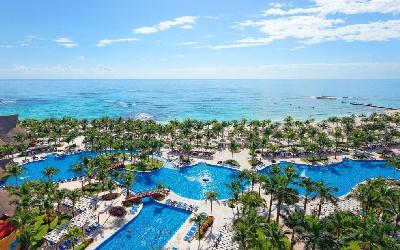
152,193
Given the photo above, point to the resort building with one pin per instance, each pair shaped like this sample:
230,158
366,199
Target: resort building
9,128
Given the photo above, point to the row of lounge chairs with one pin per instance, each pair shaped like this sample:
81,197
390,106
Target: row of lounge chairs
67,244
92,228
79,178
134,209
182,205
68,152
34,158
191,233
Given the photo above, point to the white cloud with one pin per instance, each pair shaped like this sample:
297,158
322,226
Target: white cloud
63,40
180,56
187,27
183,22
66,42
146,30
106,42
6,46
315,29
69,45
325,7
81,58
29,39
188,43
277,5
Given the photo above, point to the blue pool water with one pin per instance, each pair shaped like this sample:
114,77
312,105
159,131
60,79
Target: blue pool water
151,229
194,181
190,182
346,174
33,170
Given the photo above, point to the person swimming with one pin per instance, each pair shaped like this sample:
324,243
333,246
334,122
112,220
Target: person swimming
129,235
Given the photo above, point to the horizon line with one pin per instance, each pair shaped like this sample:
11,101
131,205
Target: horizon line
5,79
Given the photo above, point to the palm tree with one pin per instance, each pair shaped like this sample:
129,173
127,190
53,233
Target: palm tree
110,185
79,170
395,163
234,186
343,224
23,220
315,235
74,196
128,178
250,201
261,179
14,170
48,172
274,236
73,233
59,196
211,196
283,194
368,195
375,234
325,193
250,175
269,187
241,232
233,146
295,221
309,188
199,219
161,185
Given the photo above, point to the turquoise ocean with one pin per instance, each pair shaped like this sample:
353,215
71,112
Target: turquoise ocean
198,99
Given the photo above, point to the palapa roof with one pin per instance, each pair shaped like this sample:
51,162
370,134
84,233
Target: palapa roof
9,128
3,164
5,207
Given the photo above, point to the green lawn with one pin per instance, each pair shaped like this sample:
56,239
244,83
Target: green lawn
148,164
232,161
92,188
41,228
353,246
315,159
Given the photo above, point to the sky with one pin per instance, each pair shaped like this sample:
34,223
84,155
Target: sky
207,39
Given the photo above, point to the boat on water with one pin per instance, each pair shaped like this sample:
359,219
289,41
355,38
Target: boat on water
325,97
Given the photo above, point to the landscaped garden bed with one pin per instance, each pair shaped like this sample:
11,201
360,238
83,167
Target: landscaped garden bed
118,211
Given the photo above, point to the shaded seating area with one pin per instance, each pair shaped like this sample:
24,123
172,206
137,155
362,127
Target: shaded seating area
86,220
5,229
84,203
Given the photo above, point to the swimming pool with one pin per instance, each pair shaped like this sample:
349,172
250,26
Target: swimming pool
344,175
191,182
33,170
151,229
194,181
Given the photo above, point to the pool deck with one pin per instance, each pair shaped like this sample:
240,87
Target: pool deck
110,224
224,215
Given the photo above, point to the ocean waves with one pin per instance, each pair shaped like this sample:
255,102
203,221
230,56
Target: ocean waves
164,100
